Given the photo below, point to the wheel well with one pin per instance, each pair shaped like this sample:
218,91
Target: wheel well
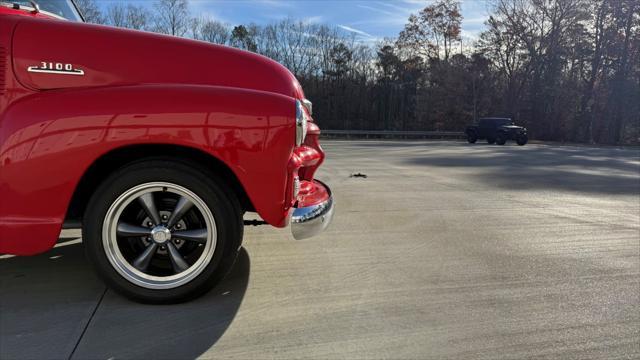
108,163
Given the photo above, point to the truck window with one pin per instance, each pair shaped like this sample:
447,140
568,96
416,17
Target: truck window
503,122
65,9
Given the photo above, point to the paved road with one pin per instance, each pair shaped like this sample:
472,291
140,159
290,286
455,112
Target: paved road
445,250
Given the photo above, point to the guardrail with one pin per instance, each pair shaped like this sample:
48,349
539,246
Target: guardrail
393,134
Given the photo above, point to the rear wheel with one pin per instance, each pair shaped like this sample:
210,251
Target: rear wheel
472,138
161,231
522,140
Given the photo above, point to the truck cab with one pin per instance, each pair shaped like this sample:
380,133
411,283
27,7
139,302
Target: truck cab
155,146
496,130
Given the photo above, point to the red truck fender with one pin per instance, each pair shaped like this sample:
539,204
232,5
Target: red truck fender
252,132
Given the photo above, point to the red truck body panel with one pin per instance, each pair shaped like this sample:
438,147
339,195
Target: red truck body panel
139,88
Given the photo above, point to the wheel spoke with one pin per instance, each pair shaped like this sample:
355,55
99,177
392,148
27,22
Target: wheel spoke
179,265
199,235
149,206
125,229
181,209
142,262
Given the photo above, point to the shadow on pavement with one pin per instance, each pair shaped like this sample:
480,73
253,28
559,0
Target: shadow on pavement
45,303
47,300
591,170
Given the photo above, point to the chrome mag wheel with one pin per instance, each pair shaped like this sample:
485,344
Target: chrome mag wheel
159,235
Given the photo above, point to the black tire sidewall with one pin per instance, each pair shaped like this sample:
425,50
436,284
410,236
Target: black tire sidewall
522,140
223,205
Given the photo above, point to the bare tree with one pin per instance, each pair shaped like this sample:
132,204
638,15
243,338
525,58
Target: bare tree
434,30
172,17
293,43
90,11
214,32
244,37
137,17
623,104
117,15
195,26
505,50
326,38
129,16
445,19
416,38
545,30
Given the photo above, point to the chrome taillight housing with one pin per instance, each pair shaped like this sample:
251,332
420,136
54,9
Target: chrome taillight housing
308,105
301,123
296,187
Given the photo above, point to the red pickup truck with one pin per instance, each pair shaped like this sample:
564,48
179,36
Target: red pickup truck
154,145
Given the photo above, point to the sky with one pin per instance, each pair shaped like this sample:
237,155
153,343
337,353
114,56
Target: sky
370,20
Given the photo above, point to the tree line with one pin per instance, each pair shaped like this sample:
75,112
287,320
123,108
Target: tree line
568,70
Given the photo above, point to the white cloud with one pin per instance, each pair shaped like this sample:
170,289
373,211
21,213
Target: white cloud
375,9
276,3
356,31
313,20
470,35
398,22
475,20
208,10
391,15
403,9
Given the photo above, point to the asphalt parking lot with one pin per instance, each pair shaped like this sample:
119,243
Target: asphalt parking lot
445,250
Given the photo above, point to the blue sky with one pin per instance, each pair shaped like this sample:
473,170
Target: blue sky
370,20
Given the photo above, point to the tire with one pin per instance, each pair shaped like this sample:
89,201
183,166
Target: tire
472,138
118,231
501,139
522,140
491,141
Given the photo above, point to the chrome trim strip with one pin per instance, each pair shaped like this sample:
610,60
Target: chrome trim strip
35,69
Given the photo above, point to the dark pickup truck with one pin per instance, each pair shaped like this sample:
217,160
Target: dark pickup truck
496,130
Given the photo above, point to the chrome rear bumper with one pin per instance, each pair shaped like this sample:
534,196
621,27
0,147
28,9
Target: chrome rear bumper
311,220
